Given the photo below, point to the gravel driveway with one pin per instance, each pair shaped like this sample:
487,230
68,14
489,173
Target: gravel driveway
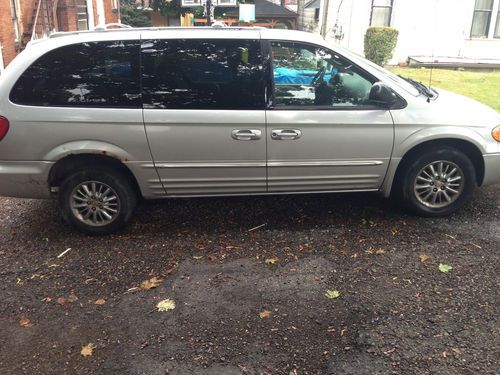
253,301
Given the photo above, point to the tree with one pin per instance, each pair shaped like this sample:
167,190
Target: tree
133,16
172,8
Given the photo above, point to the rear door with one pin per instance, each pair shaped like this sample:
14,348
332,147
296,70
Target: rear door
323,133
204,111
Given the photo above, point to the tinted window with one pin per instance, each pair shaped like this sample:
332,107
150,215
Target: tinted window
305,75
202,74
97,74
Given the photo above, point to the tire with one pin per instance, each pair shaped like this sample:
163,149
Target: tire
417,180
97,201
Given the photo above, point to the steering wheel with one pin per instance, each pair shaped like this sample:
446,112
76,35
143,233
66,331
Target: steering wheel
318,78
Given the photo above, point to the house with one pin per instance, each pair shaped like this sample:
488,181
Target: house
24,20
429,30
267,12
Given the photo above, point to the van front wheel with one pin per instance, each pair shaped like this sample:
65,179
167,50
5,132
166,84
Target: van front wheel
97,201
439,182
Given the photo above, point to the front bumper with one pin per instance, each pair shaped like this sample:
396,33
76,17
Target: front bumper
491,169
24,179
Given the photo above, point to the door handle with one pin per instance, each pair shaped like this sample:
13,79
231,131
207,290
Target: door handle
246,134
285,134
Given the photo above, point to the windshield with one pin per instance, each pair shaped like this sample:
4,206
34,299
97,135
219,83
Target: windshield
384,73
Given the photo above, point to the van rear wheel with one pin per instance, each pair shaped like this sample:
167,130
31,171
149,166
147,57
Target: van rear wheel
97,201
439,182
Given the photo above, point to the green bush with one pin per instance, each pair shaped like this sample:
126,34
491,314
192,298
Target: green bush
132,16
379,44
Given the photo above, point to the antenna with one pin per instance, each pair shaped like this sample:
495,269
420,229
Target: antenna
433,46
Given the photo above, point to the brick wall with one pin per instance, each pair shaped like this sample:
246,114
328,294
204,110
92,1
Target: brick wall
66,15
26,14
66,20
7,32
110,15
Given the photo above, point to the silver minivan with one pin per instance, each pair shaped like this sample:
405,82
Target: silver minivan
100,119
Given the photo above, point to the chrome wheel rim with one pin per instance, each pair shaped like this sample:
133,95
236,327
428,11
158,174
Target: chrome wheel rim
95,203
439,184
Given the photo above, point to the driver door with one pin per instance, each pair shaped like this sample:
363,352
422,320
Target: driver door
323,132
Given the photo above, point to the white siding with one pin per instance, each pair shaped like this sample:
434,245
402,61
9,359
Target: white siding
426,27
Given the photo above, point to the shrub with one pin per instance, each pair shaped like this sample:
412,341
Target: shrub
379,44
132,16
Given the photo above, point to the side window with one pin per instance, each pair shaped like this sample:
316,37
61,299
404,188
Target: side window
96,74
202,74
306,75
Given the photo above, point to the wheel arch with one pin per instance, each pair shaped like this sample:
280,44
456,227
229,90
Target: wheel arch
73,162
468,148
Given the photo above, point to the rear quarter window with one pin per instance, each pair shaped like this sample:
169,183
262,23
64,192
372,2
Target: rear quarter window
94,74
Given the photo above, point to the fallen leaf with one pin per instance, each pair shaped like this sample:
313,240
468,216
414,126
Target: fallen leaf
166,305
456,350
100,301
445,267
61,300
332,294
197,257
272,260
24,322
380,252
392,350
87,350
264,314
151,283
424,257
72,298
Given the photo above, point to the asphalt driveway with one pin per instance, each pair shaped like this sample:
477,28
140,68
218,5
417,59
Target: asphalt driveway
249,278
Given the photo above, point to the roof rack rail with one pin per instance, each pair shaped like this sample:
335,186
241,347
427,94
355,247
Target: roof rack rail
116,27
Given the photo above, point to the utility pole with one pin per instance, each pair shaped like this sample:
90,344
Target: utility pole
300,11
324,20
209,12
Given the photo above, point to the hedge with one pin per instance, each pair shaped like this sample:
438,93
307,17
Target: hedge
380,43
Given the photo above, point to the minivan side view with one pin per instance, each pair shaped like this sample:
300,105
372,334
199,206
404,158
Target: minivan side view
99,119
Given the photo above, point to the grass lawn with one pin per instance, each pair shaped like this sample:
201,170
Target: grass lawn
482,86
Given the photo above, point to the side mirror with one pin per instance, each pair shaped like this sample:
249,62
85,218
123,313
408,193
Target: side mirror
382,95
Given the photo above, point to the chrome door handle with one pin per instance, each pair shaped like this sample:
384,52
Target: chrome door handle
246,134
285,134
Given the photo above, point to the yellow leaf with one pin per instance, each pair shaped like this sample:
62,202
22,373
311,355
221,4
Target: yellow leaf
272,260
24,322
424,257
87,350
100,301
264,314
166,305
332,294
151,283
444,267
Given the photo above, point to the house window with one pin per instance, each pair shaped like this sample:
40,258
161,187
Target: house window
381,13
486,19
483,10
82,15
114,4
497,27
